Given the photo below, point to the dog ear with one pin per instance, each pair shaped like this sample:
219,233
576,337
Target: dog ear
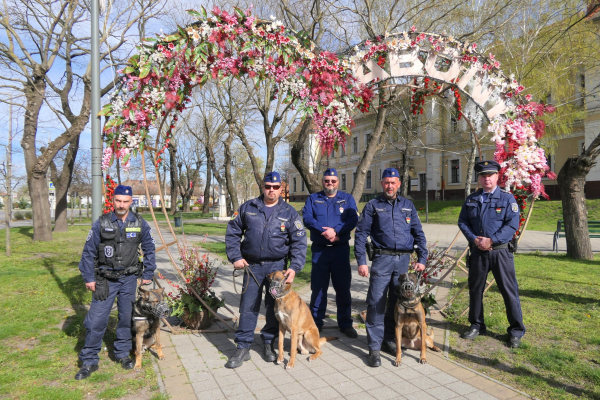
161,290
143,293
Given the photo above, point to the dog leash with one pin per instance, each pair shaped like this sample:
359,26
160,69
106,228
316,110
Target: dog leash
246,270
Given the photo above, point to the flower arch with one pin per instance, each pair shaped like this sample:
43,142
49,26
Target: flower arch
157,83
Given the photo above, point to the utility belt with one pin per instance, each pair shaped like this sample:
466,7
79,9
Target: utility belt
386,252
510,246
117,274
261,262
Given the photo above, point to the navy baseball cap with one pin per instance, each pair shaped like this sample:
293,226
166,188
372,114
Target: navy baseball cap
330,172
123,190
487,167
390,173
272,177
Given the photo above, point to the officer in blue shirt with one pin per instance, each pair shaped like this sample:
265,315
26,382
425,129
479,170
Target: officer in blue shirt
110,267
489,219
331,215
271,230
393,224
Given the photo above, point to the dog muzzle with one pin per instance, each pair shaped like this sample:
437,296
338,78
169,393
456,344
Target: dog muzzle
277,289
408,289
160,310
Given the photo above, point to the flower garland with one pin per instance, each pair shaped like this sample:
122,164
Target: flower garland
158,81
109,196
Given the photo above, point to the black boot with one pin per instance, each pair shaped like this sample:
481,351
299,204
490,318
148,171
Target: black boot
268,354
374,358
238,358
85,372
126,362
389,347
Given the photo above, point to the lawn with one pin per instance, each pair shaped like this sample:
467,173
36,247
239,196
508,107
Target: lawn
44,300
560,354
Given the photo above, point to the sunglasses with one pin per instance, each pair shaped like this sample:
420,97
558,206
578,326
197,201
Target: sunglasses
274,187
329,181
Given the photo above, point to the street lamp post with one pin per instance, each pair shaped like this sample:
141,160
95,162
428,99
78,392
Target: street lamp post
212,178
95,120
8,212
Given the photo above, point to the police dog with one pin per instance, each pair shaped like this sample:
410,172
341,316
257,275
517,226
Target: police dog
149,308
411,328
294,317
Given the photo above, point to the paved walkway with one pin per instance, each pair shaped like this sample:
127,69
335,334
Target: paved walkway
194,364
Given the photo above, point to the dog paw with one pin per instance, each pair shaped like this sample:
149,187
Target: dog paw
161,357
423,360
304,352
279,361
137,368
289,366
397,363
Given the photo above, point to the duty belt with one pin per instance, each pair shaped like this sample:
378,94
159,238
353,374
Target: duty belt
494,247
387,252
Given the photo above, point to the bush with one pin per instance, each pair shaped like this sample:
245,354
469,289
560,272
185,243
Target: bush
19,216
1,206
22,203
28,215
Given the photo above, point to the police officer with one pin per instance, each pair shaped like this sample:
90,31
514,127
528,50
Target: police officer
393,224
271,231
331,215
110,267
489,219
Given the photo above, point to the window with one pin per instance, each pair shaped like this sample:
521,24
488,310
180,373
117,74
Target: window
343,151
343,181
369,179
355,145
367,139
454,171
295,185
302,190
380,173
550,160
454,123
422,182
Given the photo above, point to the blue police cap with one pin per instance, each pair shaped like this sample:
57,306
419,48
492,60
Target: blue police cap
487,167
390,173
330,172
123,190
272,177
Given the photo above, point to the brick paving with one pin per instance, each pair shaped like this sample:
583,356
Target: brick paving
194,364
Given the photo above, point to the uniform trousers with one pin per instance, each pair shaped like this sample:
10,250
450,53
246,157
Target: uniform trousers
96,320
250,305
331,262
381,298
502,264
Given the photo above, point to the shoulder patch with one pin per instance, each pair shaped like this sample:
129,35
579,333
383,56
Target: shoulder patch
514,207
89,236
234,216
298,224
300,233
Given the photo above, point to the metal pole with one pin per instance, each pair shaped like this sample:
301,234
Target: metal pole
8,212
95,120
426,191
213,190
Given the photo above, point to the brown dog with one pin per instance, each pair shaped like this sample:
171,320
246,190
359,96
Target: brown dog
294,317
411,328
149,308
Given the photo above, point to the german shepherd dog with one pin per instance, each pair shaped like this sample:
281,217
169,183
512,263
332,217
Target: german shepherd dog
149,308
411,328
294,317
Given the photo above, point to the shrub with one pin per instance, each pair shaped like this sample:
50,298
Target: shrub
28,215
19,216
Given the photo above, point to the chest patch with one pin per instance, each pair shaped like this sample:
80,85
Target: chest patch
341,210
514,207
380,209
319,201
251,213
282,227
408,220
109,251
498,210
133,229
131,235
109,229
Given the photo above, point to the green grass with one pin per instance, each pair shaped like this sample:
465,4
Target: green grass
560,353
202,229
301,279
42,297
186,216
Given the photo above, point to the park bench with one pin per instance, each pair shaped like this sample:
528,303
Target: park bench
593,231
369,196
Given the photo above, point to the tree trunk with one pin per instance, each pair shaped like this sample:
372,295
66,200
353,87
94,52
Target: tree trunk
405,173
571,181
206,205
228,178
311,180
174,177
62,184
470,165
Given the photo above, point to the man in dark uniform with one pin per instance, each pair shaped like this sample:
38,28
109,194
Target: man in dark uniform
110,267
331,215
271,231
489,219
393,224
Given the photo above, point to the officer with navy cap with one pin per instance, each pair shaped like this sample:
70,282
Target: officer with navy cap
110,267
393,224
330,216
489,219
271,230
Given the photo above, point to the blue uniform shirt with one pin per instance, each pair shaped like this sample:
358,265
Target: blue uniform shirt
339,212
266,239
392,227
496,217
90,249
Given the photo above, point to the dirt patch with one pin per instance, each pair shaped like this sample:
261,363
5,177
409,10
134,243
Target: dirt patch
27,344
40,255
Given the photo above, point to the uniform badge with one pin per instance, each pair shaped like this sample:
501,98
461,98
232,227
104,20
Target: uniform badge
341,210
498,210
234,216
89,236
282,227
408,220
514,207
298,224
131,235
109,251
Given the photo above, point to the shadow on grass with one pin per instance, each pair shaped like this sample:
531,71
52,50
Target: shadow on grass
26,231
558,297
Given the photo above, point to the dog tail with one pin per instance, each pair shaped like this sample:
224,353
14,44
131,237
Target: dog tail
327,339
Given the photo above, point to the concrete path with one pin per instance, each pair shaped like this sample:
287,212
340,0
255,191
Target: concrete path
194,364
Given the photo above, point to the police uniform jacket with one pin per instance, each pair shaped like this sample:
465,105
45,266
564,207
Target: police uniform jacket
338,212
266,240
392,227
496,218
123,233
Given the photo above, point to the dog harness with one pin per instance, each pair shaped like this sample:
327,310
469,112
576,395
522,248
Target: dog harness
118,249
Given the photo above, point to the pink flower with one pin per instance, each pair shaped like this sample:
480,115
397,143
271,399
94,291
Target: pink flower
474,46
528,97
413,29
497,64
171,46
491,57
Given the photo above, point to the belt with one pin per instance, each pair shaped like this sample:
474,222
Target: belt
387,252
494,247
263,262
